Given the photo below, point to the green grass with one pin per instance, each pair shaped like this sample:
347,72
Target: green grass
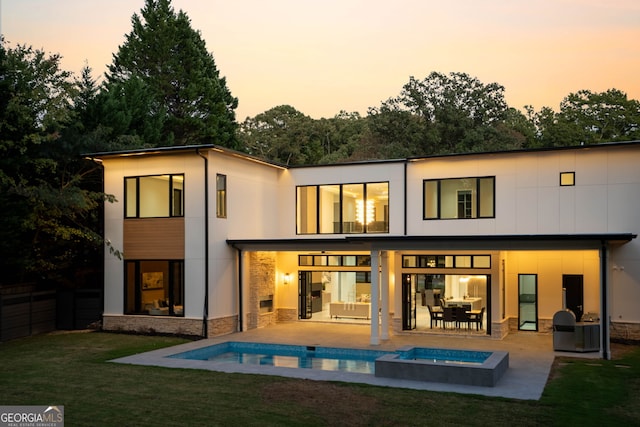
71,369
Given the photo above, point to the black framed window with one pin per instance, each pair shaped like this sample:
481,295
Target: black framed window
221,196
342,208
154,196
459,198
334,260
567,179
446,261
154,287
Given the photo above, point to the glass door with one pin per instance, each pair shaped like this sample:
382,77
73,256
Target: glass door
573,287
408,302
528,302
304,295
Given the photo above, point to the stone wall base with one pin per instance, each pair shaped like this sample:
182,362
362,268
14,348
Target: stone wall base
286,314
501,329
625,331
544,325
396,325
169,325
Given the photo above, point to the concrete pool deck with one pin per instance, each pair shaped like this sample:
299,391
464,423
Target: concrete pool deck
531,355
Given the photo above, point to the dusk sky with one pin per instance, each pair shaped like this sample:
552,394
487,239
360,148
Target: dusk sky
325,56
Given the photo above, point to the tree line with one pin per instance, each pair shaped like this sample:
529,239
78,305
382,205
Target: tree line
440,114
163,88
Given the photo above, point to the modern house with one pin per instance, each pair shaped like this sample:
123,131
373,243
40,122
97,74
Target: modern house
216,241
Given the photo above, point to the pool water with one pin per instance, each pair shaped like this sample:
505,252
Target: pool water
322,358
470,357
288,356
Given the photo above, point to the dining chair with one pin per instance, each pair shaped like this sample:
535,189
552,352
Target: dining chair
448,316
435,316
461,316
477,319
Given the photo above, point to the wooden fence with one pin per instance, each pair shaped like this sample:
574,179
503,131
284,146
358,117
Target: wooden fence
27,313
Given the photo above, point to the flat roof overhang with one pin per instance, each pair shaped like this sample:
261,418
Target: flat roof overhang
492,242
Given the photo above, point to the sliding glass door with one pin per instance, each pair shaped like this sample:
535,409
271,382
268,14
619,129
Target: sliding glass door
408,302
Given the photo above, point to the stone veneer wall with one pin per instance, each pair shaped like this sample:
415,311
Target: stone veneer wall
169,325
152,324
625,331
500,329
544,325
286,314
262,282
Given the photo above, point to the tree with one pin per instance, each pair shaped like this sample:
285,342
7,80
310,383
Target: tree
165,58
587,117
394,132
282,134
342,136
449,114
44,231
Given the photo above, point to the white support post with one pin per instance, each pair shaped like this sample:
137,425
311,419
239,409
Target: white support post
375,297
384,291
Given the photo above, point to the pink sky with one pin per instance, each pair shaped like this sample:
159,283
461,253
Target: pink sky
325,56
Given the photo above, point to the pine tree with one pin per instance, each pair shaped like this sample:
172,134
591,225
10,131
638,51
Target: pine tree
170,58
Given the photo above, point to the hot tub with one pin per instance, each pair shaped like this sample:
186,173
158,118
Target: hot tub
469,367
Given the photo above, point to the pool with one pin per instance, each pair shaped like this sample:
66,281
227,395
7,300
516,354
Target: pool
469,367
288,356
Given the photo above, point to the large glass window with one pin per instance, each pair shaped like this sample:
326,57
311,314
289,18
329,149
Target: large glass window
329,212
354,212
343,208
154,288
307,210
459,198
157,196
430,300
221,196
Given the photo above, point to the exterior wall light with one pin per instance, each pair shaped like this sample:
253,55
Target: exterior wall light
286,278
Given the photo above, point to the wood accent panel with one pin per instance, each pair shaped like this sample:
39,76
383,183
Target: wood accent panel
154,238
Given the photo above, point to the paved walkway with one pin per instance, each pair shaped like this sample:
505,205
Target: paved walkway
530,356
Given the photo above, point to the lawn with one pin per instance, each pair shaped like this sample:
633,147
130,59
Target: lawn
72,369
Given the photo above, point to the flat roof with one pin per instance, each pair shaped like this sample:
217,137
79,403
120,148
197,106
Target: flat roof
482,242
229,151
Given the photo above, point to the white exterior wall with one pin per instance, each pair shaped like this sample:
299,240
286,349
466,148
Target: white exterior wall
116,170
528,196
252,211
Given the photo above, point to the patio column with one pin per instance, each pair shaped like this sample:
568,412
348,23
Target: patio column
375,297
384,295
243,291
605,343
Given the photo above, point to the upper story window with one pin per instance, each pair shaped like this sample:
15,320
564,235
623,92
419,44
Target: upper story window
567,179
221,196
459,198
343,208
157,196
